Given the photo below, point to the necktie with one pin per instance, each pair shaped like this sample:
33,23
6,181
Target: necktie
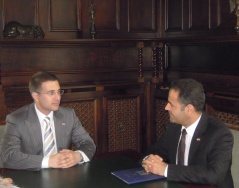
49,143
181,147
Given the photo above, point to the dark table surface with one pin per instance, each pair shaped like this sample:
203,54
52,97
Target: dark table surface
95,174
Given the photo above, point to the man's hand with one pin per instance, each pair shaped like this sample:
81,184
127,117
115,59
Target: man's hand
64,159
7,180
53,161
154,164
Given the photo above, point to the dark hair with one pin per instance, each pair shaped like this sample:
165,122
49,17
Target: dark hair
37,80
190,92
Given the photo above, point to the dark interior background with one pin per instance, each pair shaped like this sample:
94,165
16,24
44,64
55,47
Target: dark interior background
118,82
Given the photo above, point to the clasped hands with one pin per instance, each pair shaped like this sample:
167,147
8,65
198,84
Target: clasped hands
154,164
65,159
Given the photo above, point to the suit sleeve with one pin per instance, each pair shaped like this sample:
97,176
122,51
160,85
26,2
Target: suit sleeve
166,145
11,152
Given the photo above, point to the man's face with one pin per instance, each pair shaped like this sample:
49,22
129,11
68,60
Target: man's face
174,107
48,99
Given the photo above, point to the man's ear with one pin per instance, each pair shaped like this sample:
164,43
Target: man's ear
35,96
190,108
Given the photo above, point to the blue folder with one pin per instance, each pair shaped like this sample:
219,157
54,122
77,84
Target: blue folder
135,175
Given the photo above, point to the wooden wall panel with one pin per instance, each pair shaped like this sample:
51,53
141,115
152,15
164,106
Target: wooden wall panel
213,63
107,15
226,17
189,14
141,16
73,62
174,15
25,13
64,15
122,18
198,18
214,14
199,14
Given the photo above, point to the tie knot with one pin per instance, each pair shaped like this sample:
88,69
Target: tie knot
184,132
47,119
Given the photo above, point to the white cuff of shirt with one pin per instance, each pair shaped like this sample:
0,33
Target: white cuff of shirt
166,171
84,157
45,162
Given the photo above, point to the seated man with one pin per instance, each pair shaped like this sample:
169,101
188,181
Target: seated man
40,135
204,154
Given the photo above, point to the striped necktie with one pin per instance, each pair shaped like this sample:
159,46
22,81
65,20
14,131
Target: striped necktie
181,147
49,143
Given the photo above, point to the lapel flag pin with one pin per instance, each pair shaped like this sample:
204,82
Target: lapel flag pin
198,139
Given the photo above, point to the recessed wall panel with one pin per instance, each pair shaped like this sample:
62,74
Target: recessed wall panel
64,15
173,15
200,18
24,13
141,15
107,16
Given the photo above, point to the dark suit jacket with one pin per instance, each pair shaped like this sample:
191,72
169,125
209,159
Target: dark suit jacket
210,154
22,145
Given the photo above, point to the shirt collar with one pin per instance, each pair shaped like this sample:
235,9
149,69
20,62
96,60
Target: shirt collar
41,116
191,129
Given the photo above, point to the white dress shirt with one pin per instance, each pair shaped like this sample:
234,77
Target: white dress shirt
41,116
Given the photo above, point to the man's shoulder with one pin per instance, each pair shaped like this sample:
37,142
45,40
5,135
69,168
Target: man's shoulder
21,114
217,126
65,108
64,111
216,122
22,110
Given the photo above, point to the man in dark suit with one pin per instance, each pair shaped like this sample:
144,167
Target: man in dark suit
208,143
33,141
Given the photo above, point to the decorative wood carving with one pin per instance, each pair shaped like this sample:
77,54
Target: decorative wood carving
92,10
140,46
157,62
122,124
154,63
85,111
161,116
160,57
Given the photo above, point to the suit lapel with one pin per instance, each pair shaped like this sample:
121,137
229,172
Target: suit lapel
175,136
34,127
197,136
58,117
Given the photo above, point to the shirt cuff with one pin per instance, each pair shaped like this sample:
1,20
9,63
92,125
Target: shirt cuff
166,171
45,162
145,157
84,157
